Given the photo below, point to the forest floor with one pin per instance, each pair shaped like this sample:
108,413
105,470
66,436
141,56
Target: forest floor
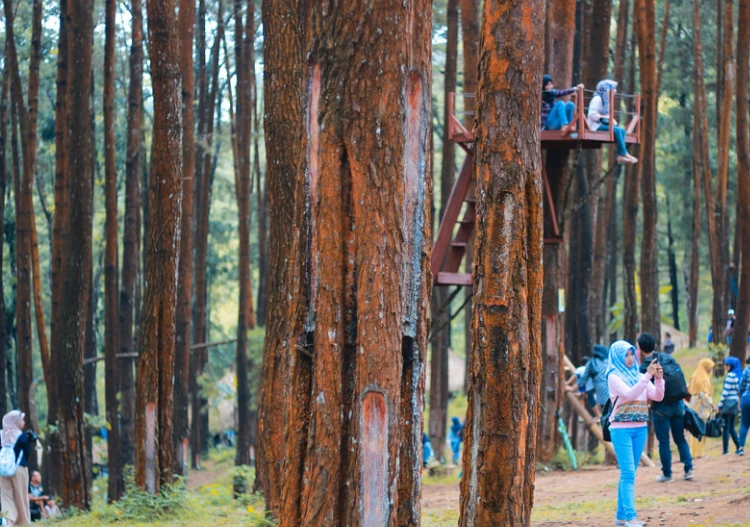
718,496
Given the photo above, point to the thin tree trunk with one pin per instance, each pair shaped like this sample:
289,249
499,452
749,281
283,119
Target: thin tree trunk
674,293
186,22
498,483
115,486
742,324
154,401
284,54
76,261
439,363
3,189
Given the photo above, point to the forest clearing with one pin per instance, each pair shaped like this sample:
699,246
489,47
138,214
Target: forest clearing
301,264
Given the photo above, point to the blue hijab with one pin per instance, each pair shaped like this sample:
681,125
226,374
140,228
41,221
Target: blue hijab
617,352
456,427
602,90
734,366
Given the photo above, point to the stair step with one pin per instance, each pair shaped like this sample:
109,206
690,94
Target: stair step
444,278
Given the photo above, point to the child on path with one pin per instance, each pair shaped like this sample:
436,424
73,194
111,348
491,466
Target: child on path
701,402
598,118
630,391
729,405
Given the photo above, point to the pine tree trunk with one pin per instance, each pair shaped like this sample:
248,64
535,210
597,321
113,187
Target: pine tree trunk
498,483
3,189
738,347
360,373
439,363
262,192
244,37
181,432
674,293
115,486
67,353
284,53
154,401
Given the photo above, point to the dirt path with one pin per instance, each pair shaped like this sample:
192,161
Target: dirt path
718,496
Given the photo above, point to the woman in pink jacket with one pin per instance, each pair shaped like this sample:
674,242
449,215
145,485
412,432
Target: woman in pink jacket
630,391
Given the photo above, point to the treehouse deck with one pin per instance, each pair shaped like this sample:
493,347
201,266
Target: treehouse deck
449,249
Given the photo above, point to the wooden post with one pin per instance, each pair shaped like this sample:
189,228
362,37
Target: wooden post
612,115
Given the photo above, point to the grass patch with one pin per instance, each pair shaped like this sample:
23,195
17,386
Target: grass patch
443,518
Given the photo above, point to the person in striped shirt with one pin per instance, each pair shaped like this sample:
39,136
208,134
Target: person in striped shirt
745,409
729,405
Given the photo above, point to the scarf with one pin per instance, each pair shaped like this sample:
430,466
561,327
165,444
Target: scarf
12,423
456,427
602,90
734,366
617,352
701,379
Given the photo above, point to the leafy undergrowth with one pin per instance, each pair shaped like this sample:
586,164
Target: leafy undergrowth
208,505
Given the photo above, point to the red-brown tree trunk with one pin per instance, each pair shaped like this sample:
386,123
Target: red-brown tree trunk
439,363
115,486
284,52
742,324
131,237
3,188
498,483
153,416
67,353
181,432
360,372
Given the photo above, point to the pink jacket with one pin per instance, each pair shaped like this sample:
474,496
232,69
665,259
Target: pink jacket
640,392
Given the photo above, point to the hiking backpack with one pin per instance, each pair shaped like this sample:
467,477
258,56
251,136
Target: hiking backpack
8,461
675,387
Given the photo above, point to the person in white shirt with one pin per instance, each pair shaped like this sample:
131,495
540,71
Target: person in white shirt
598,118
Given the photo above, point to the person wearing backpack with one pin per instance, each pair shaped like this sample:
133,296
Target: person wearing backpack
629,392
668,414
14,489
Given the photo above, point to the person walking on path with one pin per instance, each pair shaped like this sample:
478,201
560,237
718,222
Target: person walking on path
596,371
667,416
630,391
729,405
745,409
701,401
456,436
14,491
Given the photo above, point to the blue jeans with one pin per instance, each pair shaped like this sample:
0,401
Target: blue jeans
628,444
619,138
455,446
560,115
745,423
729,430
671,417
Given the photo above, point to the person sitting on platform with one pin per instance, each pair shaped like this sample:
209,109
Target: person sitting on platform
556,114
598,118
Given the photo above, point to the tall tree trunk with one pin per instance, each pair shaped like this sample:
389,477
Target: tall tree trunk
3,188
439,364
115,486
76,260
738,347
645,28
131,237
153,415
498,483
181,432
284,53
367,337
674,293
262,190
244,38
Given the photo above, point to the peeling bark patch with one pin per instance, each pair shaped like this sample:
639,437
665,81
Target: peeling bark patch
374,461
151,448
313,173
416,126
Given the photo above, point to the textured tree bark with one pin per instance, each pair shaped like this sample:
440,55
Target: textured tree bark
439,365
645,26
153,416
115,485
738,347
284,52
181,432
244,38
672,259
67,352
501,425
3,188
360,379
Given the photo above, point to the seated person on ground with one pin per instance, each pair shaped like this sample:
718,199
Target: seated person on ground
598,118
37,499
556,114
